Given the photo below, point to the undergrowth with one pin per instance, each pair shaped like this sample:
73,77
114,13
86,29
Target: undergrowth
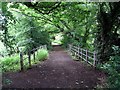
112,68
12,63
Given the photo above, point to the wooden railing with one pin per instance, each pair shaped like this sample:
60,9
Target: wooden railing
27,57
83,54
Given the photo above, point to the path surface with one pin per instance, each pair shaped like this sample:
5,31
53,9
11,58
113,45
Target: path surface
59,71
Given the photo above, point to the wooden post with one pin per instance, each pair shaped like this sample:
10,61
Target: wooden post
29,58
81,53
69,48
21,61
94,62
34,56
86,55
78,52
75,52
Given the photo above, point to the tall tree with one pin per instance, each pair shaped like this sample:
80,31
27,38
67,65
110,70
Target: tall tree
109,24
5,37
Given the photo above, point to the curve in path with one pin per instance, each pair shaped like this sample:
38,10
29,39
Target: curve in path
59,71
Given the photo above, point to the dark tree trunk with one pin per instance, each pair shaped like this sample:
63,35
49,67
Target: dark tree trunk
106,37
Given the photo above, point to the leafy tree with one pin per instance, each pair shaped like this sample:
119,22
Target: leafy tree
108,29
4,35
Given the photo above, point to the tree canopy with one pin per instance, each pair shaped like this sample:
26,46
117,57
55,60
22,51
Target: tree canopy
90,25
94,26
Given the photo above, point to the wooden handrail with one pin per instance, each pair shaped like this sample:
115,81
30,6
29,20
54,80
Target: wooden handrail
29,56
83,54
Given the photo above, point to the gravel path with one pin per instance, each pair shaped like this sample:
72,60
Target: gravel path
59,71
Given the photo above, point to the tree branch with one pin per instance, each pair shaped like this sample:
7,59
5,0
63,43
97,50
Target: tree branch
36,8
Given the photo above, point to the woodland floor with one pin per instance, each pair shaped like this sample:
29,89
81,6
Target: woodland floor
59,71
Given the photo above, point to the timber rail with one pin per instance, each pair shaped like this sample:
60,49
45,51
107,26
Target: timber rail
26,58
83,54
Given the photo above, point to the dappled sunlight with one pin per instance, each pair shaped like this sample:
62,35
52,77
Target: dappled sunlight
58,39
60,44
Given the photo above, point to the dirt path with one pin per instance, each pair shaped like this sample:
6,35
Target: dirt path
59,71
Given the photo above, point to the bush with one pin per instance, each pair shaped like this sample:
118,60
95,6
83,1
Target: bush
42,54
112,67
11,63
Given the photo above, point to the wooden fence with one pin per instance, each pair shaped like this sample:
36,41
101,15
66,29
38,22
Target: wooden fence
83,54
28,56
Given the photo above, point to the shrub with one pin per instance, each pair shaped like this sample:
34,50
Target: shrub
10,62
42,54
112,67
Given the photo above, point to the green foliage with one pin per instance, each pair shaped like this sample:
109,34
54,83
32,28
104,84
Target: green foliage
5,37
42,54
21,31
77,29
30,29
7,81
66,40
29,25
12,63
108,29
112,67
29,36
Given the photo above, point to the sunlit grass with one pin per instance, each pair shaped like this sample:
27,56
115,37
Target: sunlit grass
12,63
